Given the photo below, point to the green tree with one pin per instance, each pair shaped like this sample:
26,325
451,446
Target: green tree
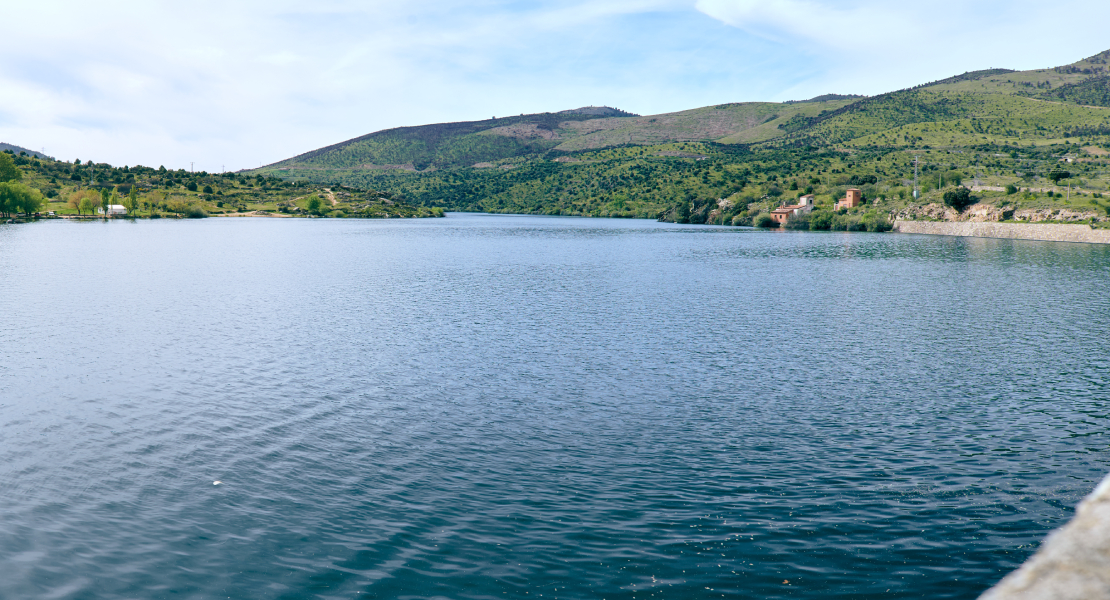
18,198
207,189
959,199
313,204
86,205
1057,174
105,196
8,170
191,186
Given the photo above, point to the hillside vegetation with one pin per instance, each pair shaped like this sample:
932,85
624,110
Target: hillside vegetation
1008,135
79,189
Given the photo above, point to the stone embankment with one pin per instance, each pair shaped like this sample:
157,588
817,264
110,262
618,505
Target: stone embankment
1072,564
1049,232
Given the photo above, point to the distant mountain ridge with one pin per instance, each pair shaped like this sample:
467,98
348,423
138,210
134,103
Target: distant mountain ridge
606,161
598,111
17,149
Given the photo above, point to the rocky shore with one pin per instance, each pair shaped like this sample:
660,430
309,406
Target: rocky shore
1048,232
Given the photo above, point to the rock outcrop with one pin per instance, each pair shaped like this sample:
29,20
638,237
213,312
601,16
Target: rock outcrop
1036,215
989,213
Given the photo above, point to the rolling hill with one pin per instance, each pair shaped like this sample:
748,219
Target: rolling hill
4,147
605,162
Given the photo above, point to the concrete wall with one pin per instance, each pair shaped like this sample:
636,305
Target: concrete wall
1018,231
1072,564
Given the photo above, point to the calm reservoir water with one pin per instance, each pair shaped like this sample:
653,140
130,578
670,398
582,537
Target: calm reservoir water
526,407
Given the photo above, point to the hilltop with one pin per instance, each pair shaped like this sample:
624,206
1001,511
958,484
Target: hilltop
1000,131
19,150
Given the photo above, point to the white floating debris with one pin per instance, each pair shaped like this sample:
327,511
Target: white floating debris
216,482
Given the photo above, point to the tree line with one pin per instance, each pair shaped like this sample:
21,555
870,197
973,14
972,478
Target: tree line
15,197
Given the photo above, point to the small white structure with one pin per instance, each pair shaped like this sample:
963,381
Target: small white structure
113,209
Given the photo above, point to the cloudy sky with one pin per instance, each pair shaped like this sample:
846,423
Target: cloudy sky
234,84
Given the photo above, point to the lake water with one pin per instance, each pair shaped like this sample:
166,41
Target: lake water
525,407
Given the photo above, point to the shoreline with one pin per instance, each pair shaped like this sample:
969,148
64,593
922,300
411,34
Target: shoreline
1073,562
1044,232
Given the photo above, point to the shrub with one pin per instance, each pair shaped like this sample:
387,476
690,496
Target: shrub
1011,189
191,186
959,199
742,219
848,223
207,189
195,212
765,221
798,222
820,220
879,223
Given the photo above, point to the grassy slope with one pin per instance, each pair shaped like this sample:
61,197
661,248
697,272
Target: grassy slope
747,153
456,145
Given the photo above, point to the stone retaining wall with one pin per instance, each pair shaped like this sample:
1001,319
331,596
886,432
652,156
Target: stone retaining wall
1072,564
1017,231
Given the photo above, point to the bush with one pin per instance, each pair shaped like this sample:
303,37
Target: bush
959,199
742,220
798,222
765,221
848,223
878,223
821,220
191,186
1011,189
195,212
207,189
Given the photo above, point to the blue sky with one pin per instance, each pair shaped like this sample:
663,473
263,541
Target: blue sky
235,84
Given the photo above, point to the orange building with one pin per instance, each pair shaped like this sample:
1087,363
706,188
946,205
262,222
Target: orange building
783,213
854,199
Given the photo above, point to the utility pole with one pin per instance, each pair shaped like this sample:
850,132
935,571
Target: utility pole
190,167
916,159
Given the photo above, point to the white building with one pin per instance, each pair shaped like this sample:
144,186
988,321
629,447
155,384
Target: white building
113,209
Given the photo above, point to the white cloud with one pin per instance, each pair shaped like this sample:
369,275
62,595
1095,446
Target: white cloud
240,83
873,46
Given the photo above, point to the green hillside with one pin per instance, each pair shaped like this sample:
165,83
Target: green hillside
447,145
726,163
159,193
